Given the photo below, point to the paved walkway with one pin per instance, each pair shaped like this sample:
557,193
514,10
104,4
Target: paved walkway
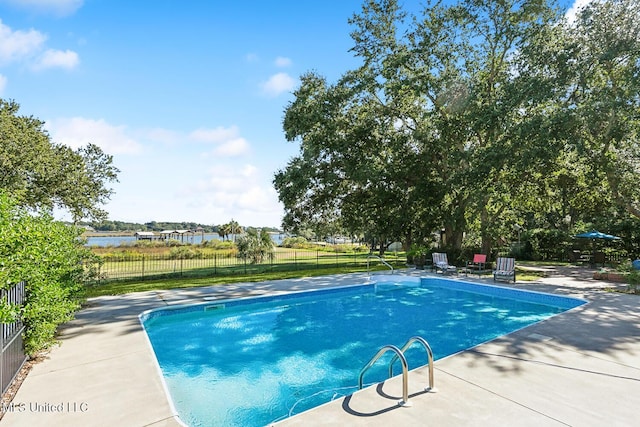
580,368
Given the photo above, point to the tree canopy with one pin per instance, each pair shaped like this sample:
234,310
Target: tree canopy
477,118
42,175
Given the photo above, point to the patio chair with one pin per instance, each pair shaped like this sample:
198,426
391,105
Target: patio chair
441,263
477,265
505,269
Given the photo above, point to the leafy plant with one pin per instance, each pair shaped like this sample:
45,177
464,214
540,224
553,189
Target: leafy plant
633,279
254,246
184,252
50,258
418,255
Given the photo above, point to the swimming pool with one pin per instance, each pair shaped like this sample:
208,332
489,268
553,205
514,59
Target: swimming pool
255,361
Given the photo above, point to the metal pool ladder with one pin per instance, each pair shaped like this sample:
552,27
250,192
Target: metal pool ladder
399,354
381,260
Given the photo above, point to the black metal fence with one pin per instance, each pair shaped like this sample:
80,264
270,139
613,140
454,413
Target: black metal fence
136,266
13,356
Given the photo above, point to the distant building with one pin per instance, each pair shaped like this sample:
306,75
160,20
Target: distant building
144,235
175,234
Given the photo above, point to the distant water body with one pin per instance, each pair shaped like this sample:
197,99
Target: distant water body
104,241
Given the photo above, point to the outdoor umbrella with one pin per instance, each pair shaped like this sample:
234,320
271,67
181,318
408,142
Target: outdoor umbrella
596,235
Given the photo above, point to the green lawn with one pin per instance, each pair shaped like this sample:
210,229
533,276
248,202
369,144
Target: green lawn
118,288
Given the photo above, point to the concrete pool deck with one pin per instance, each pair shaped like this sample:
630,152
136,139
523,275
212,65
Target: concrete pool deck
579,368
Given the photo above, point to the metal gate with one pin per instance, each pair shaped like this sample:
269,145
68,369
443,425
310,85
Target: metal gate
13,356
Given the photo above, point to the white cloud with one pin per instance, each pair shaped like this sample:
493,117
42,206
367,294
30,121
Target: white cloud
3,84
78,131
573,10
57,58
228,141
231,148
57,7
27,46
238,192
18,45
282,61
219,134
278,83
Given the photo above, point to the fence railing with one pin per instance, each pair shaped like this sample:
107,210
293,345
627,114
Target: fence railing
150,266
12,357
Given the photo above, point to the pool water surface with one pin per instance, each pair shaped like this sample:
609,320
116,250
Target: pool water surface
255,361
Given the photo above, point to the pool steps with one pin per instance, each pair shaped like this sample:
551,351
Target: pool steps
399,355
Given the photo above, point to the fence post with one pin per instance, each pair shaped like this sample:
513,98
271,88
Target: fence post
317,259
215,263
12,356
142,266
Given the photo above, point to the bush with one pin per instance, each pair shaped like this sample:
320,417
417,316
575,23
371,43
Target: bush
184,252
255,247
219,244
633,279
298,242
50,258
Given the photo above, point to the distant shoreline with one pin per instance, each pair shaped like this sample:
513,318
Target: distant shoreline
108,233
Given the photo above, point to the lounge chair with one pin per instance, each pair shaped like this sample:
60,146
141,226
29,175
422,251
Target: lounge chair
505,269
441,263
477,265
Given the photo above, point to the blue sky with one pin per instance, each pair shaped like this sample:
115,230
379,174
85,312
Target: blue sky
187,96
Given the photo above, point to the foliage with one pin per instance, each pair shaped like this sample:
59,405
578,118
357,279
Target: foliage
230,228
633,280
297,242
41,174
50,258
418,255
255,246
109,225
217,244
472,118
544,244
184,252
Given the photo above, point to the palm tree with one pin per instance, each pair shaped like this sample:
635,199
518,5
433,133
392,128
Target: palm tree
235,228
255,246
223,231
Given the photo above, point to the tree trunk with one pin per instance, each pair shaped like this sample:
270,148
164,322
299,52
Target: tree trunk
484,234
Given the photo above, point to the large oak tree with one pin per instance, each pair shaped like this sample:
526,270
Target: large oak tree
41,174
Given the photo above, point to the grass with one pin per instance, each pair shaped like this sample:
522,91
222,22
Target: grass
157,262
129,286
119,288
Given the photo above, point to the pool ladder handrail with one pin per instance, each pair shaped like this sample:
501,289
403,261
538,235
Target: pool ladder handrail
405,371
381,260
399,354
427,348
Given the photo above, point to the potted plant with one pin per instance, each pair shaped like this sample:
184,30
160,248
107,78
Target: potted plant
417,256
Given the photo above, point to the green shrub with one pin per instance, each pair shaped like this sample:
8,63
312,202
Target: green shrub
297,242
218,244
50,258
185,252
633,279
255,247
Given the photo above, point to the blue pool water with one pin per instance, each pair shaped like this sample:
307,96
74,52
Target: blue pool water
255,361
